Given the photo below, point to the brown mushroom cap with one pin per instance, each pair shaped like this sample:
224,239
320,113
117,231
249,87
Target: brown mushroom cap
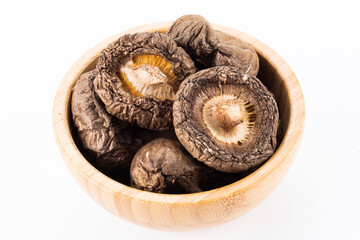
163,162
226,119
138,77
101,135
233,51
211,47
195,34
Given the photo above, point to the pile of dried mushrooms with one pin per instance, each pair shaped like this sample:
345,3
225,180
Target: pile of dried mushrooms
175,112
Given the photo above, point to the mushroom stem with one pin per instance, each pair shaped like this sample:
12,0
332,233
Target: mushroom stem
230,114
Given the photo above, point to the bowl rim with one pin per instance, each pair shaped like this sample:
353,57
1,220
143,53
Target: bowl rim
69,150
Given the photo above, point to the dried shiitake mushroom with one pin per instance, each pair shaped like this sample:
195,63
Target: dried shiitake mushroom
163,163
232,51
211,47
139,75
226,119
195,35
101,135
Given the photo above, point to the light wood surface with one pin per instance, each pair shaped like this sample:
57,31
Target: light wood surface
184,211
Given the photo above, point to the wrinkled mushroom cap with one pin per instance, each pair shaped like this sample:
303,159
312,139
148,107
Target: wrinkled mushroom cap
163,162
226,119
101,135
211,47
235,52
195,34
139,75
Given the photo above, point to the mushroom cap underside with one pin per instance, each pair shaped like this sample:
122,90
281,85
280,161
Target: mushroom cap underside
226,119
138,77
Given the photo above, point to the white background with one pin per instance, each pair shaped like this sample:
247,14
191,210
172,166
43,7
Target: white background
320,40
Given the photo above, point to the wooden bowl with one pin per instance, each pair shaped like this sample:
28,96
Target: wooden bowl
183,211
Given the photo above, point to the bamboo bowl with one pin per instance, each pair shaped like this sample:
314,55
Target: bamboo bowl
184,211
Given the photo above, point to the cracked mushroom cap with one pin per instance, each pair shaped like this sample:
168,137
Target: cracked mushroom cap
226,119
101,135
162,163
139,75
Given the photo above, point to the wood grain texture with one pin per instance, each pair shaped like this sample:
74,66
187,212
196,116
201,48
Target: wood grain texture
184,211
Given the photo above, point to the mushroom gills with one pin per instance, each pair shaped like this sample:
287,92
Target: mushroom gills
149,75
226,119
229,119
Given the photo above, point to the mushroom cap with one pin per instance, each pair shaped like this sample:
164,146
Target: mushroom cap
126,57
212,47
235,52
226,119
163,162
102,136
195,34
